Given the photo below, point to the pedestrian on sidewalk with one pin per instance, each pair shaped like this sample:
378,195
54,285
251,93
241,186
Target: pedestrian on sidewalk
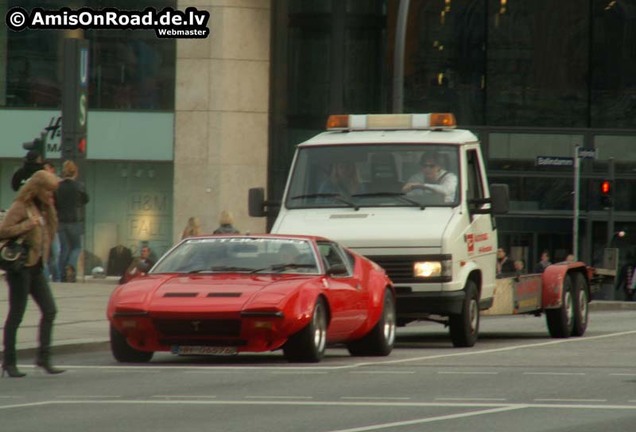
31,215
226,224
70,200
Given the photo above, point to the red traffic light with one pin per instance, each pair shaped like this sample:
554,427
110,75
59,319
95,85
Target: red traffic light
81,146
606,187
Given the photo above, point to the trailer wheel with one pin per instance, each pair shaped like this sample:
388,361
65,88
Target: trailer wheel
464,327
581,308
561,321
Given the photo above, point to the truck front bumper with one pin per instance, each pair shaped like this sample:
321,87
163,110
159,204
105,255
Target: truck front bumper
422,304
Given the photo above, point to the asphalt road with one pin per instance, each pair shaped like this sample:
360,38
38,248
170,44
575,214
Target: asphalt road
515,379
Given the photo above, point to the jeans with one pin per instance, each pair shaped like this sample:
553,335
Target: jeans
70,244
29,280
52,268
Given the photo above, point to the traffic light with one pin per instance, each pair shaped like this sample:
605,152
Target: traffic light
606,190
38,144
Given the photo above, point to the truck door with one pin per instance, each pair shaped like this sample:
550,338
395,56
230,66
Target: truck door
481,237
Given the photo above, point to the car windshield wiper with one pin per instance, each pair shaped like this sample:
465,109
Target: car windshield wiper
398,195
335,196
277,268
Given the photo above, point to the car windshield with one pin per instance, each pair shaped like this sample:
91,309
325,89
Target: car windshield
239,255
374,175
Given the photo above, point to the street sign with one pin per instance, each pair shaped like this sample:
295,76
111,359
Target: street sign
586,153
554,161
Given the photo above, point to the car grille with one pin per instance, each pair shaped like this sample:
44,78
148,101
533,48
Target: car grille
199,327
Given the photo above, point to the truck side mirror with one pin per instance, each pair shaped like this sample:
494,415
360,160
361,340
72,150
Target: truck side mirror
499,198
256,202
498,201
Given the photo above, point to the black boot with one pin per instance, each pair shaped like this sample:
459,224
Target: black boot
12,371
44,362
48,368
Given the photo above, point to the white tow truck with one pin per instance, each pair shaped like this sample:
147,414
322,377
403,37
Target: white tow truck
410,192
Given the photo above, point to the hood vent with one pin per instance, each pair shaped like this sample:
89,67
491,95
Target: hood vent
229,294
180,294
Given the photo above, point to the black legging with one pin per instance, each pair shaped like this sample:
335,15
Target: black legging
29,280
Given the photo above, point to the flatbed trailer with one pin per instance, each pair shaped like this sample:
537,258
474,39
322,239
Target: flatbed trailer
561,292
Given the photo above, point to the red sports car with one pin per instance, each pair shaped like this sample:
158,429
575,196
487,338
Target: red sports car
222,295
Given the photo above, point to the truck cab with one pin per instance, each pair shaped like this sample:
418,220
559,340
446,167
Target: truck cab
410,192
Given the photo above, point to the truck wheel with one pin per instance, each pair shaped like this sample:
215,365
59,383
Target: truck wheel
581,308
308,345
123,352
464,327
561,321
379,341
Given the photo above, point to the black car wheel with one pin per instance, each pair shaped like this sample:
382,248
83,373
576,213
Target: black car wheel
308,345
380,340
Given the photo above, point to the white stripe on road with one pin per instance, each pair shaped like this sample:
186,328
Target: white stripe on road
279,397
461,353
466,373
555,373
373,398
571,400
472,399
430,419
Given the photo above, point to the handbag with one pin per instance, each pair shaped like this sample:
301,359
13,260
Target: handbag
13,254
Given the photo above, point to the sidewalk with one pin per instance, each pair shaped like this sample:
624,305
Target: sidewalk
81,319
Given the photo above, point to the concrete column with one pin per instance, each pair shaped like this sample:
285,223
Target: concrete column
221,114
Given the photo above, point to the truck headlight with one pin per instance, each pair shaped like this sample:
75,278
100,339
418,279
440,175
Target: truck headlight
432,269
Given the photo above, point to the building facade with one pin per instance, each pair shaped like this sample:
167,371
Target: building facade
183,127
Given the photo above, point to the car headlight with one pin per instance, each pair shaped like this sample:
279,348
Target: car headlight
432,269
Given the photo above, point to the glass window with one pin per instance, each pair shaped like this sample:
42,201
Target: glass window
444,58
613,64
374,175
129,70
537,64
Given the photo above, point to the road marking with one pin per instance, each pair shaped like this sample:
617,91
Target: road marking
472,399
26,405
429,419
623,374
555,373
300,372
383,372
466,373
462,353
279,397
571,400
183,397
373,398
87,396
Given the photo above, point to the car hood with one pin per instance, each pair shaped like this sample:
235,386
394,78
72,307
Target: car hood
218,292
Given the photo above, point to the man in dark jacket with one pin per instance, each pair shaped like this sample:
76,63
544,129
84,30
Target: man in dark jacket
70,200
32,163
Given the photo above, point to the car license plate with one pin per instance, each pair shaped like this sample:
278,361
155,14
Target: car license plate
203,350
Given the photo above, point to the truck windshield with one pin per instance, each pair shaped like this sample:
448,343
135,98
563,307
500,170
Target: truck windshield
359,175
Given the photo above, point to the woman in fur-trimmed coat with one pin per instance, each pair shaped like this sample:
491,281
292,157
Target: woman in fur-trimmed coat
33,216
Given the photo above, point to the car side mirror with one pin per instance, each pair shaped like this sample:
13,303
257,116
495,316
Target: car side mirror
337,270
